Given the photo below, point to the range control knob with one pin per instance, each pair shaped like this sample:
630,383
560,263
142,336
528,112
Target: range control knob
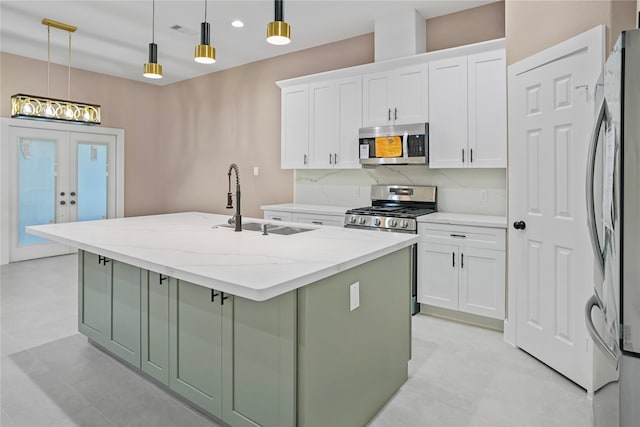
377,222
352,219
393,222
404,223
362,220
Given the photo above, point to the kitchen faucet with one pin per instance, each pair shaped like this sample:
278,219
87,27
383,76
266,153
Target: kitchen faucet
237,218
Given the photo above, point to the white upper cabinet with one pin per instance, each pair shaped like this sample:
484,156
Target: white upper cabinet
448,112
295,127
395,97
488,109
320,123
348,110
467,111
322,129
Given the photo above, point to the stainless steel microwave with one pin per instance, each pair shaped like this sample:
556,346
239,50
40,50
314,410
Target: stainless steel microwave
395,145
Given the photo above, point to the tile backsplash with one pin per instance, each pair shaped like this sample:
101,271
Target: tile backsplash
479,191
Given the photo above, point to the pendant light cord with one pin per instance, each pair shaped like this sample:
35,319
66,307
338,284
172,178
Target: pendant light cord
48,61
205,10
69,73
153,22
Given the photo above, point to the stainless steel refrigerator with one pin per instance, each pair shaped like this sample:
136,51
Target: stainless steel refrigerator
613,204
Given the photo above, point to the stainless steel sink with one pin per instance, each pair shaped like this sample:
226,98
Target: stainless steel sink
271,228
288,230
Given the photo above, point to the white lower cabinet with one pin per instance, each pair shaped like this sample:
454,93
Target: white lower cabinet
462,268
305,218
336,221
278,216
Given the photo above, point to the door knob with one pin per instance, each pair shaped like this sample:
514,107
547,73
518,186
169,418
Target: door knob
519,225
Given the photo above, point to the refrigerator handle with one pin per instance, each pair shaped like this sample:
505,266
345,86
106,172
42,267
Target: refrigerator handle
601,118
592,302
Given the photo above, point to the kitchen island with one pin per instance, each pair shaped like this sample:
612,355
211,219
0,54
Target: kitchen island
302,326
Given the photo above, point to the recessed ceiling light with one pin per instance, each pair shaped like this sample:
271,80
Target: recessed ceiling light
238,23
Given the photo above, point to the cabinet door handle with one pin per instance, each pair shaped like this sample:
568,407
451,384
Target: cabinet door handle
395,114
103,260
276,218
453,259
462,236
463,155
389,119
461,261
329,158
471,155
223,298
335,158
214,294
305,159
316,222
162,278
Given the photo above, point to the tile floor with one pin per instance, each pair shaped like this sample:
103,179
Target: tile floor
460,375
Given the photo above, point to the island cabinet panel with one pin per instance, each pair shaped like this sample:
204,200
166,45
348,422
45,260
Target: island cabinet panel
350,362
109,305
155,326
195,342
259,361
93,293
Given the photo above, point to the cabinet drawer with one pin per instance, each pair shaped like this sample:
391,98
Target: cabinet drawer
478,237
319,219
278,216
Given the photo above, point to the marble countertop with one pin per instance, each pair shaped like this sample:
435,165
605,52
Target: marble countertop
195,247
465,219
311,209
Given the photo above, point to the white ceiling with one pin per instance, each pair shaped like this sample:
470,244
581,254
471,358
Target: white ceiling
113,35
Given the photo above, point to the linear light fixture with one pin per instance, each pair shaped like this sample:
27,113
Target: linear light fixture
37,107
278,31
46,108
152,69
205,53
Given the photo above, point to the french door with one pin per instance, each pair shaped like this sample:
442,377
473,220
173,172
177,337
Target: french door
55,177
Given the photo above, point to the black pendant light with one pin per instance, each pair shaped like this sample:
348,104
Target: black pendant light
152,69
278,31
205,53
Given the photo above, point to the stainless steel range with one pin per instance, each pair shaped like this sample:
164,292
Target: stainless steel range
396,208
393,208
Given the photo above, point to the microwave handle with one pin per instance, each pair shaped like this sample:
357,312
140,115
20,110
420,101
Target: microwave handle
405,151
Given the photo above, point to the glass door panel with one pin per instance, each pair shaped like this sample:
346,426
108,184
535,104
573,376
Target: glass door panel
38,181
91,198
36,186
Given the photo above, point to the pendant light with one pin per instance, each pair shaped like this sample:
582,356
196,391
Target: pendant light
152,69
46,108
205,53
278,31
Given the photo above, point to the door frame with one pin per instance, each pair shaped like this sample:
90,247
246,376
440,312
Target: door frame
6,167
592,40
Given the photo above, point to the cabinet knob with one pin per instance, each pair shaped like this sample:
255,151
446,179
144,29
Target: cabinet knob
62,202
519,225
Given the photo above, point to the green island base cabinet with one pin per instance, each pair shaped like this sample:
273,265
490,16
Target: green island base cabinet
303,358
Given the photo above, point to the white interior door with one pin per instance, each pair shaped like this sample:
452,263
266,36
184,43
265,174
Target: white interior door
550,263
57,177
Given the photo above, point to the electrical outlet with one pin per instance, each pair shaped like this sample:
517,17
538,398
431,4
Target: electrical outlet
256,171
484,196
354,296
